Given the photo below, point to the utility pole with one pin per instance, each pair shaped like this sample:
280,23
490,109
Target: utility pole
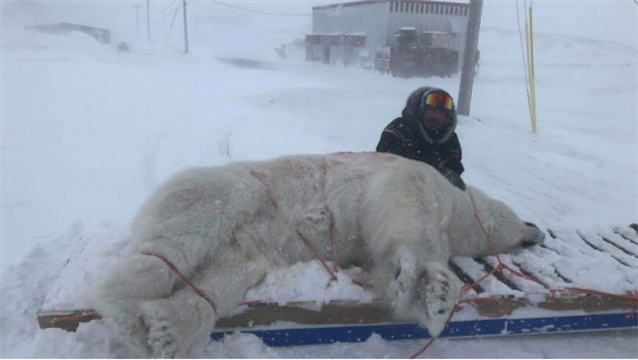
469,57
137,21
185,28
148,21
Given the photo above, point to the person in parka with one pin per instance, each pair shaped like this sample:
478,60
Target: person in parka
426,132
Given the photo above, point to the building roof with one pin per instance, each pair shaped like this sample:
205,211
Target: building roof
63,25
366,2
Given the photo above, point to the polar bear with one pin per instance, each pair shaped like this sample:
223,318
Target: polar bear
226,227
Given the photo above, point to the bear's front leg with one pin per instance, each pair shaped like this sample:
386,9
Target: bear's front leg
426,292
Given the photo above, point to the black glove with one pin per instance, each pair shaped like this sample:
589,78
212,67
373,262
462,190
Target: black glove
453,178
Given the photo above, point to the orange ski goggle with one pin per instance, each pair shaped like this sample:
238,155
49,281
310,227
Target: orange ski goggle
438,100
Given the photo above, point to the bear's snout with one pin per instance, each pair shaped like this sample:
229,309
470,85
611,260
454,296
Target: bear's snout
537,239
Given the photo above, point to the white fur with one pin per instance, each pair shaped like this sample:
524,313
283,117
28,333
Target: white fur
226,227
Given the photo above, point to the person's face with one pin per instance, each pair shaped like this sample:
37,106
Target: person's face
434,119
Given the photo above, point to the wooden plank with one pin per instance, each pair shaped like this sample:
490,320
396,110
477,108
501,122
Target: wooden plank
628,234
539,262
526,286
66,320
620,242
465,277
329,314
582,264
476,271
544,261
594,240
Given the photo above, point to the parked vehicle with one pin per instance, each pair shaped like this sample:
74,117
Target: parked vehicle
415,54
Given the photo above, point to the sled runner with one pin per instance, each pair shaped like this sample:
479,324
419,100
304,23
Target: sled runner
584,280
315,335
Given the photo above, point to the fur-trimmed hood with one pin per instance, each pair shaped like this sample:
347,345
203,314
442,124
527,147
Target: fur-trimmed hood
413,113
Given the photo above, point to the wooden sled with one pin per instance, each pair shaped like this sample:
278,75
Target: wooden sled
539,291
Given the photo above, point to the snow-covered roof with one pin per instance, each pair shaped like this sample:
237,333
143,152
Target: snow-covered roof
367,2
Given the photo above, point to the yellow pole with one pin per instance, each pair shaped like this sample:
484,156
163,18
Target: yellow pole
532,83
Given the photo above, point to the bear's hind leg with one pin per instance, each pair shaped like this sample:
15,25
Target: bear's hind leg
178,323
134,280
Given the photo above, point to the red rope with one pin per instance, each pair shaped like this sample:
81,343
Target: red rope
507,309
332,272
317,255
427,345
552,291
185,279
333,242
487,236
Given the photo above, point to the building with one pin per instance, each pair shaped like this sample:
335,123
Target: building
101,35
353,33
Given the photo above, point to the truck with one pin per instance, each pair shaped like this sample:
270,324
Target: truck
419,54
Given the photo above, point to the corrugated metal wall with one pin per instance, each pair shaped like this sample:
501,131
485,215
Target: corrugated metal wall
380,19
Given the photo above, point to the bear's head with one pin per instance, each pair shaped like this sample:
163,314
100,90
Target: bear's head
505,230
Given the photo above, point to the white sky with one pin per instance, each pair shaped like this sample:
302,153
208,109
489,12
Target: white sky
610,20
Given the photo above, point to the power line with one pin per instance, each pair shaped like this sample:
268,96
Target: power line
255,11
137,20
168,7
170,31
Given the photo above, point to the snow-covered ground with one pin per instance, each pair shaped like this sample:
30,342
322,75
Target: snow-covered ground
88,132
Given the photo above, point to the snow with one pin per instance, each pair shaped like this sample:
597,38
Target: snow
309,282
88,132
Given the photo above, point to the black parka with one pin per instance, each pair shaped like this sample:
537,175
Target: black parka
405,136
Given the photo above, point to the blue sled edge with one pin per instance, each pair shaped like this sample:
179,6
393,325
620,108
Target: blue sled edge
296,336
